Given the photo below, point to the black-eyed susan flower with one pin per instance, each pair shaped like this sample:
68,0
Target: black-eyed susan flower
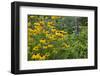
38,27
36,48
51,24
33,56
36,56
43,57
59,34
43,40
30,30
53,30
47,34
63,32
35,32
52,37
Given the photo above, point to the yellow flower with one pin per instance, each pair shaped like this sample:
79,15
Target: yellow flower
38,27
63,32
35,32
52,37
36,56
30,30
47,34
53,30
42,57
36,48
54,17
42,22
33,56
43,41
50,24
59,34
50,46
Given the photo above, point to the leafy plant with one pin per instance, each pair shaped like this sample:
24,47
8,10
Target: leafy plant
55,37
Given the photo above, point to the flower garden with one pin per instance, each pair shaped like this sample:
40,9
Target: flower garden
57,37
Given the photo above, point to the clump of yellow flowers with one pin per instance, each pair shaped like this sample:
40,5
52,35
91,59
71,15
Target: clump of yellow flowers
38,56
44,37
